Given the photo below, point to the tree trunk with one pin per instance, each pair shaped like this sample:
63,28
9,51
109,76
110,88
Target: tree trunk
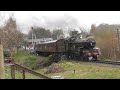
2,71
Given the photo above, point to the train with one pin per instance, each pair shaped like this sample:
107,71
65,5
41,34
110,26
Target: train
72,47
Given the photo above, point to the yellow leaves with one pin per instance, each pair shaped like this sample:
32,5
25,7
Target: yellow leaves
107,41
9,34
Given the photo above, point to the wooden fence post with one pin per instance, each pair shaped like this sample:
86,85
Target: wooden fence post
2,71
23,72
13,71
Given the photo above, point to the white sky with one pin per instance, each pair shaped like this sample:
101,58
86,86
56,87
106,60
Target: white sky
49,18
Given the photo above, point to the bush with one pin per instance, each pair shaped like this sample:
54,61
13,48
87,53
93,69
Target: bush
54,68
26,59
7,53
52,59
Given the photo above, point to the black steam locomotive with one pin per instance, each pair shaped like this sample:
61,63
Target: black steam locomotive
73,47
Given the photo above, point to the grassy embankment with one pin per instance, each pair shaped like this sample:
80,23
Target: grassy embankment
28,60
82,70
86,71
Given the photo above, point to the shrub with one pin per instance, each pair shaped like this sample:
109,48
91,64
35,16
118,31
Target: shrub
54,68
7,53
51,59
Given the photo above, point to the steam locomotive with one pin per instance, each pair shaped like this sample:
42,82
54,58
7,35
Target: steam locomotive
72,47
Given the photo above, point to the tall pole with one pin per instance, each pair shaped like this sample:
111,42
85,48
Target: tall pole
118,39
35,38
32,36
2,71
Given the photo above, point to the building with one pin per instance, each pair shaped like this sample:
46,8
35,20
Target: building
32,42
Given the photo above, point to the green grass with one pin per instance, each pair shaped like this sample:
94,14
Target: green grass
31,61
28,59
18,74
86,71
82,70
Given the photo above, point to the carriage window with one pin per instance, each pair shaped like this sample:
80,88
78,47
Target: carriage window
45,46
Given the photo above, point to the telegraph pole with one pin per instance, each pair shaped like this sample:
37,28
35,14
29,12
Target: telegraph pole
118,39
2,71
118,42
32,35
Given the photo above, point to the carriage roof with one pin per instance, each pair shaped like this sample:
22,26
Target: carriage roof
53,41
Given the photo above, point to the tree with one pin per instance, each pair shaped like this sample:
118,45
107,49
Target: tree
93,29
39,32
106,40
57,33
11,37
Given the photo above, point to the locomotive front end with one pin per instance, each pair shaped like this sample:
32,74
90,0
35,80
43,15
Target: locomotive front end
84,48
91,54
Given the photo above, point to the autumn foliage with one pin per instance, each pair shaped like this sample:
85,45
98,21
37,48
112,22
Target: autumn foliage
10,36
107,40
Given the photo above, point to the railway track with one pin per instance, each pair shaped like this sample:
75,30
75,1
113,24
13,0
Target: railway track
105,62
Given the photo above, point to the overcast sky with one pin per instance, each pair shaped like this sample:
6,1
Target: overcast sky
63,19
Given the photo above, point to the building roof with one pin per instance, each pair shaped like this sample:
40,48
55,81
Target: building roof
48,42
40,40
